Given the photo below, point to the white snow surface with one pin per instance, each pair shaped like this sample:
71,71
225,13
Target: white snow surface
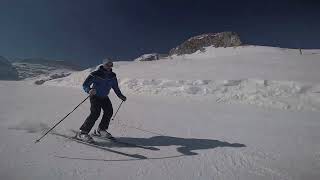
261,76
246,113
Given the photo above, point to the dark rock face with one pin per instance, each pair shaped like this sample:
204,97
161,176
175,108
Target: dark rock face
7,71
51,77
151,57
148,57
39,82
222,39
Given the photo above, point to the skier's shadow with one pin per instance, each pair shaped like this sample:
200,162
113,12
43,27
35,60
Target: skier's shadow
186,145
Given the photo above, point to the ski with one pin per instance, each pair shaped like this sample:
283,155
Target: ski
96,145
114,140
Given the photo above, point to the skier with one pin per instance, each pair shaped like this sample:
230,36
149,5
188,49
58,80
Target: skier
102,80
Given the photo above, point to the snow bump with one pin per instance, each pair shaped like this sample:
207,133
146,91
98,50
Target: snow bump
264,93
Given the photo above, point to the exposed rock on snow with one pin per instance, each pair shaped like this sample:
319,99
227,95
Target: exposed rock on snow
148,57
73,80
223,39
7,71
51,77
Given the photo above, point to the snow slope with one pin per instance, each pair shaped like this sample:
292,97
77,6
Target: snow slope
261,76
197,135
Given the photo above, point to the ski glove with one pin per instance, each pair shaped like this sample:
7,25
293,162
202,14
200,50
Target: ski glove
92,92
123,98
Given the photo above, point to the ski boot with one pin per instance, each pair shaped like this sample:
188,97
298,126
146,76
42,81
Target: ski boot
83,136
103,134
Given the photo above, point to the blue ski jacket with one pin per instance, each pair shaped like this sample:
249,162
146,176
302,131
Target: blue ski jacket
102,81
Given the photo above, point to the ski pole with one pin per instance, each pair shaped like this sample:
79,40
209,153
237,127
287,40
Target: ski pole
38,140
117,111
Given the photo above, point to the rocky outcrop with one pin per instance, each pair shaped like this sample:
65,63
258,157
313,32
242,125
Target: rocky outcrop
7,71
51,77
148,57
222,39
151,57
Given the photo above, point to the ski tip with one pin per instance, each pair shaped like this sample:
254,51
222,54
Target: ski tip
36,141
153,148
138,156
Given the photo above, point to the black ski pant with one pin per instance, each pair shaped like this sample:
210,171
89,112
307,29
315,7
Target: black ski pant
98,103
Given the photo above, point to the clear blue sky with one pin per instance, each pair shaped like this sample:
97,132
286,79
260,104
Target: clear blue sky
87,31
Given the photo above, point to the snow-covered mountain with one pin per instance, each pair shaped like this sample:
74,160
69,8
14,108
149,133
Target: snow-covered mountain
7,71
40,70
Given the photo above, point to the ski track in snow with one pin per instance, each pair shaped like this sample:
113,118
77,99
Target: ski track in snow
230,164
87,163
226,164
30,127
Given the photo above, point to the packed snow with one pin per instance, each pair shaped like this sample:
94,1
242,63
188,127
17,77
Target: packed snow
247,113
180,73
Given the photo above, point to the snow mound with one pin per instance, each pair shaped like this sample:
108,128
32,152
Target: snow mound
264,93
288,95
262,76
